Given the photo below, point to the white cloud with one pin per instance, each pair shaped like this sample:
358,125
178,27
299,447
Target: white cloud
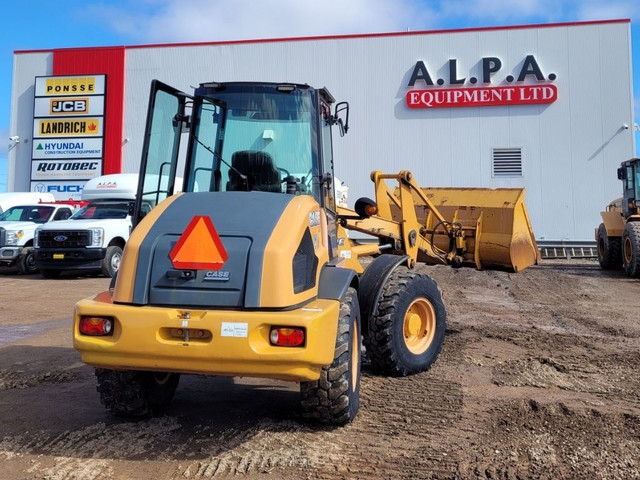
212,20
599,10
166,21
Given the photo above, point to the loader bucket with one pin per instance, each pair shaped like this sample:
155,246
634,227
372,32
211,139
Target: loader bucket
497,230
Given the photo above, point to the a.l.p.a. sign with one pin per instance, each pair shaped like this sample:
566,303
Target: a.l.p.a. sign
529,86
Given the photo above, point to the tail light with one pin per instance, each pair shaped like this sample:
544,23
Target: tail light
287,336
96,326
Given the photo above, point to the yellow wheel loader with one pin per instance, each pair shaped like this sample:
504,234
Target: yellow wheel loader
244,268
618,236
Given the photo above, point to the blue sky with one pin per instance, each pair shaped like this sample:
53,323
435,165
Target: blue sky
36,24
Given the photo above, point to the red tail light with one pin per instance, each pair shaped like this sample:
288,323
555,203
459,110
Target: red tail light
96,326
287,336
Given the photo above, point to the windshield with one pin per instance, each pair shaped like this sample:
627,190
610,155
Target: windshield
103,210
267,136
29,213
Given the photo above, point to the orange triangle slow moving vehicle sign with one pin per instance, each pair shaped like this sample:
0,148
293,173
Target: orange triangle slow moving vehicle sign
199,247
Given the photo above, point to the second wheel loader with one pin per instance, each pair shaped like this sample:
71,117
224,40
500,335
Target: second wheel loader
618,236
249,271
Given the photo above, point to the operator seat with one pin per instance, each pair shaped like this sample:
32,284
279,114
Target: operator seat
259,169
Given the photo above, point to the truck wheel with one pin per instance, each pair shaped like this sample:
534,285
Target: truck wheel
407,333
111,262
27,261
334,398
50,272
631,249
609,249
136,394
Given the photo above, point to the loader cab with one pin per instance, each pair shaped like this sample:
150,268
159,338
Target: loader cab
240,137
629,173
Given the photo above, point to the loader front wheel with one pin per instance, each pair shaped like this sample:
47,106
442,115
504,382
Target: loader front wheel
136,394
335,397
407,333
609,250
631,249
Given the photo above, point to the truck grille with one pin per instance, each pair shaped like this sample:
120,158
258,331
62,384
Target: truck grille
3,236
64,238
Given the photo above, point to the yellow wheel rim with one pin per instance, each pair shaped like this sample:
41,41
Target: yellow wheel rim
628,250
419,326
355,359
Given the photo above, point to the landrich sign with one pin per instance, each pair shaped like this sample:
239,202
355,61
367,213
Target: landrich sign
531,86
68,126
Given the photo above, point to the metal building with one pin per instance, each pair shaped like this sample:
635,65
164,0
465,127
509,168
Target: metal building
546,107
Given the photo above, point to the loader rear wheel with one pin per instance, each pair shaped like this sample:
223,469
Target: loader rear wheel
631,249
136,394
335,397
407,333
609,249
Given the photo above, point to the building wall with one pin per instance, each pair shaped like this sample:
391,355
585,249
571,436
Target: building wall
571,148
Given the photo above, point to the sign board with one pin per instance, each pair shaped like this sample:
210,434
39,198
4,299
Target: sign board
57,169
74,85
68,106
62,190
68,133
526,84
69,148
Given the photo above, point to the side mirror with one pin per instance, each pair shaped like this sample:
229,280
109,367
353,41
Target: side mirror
343,125
365,207
622,173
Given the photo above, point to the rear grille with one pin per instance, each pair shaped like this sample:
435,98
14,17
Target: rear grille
65,238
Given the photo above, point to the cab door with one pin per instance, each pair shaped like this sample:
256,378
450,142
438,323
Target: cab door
166,121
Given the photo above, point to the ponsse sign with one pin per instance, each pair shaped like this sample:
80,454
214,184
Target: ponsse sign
459,94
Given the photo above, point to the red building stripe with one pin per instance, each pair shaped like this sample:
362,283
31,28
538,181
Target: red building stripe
109,61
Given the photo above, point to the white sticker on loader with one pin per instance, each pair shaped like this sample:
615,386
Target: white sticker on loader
234,329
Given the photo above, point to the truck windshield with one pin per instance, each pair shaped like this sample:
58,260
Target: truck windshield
29,213
268,135
103,210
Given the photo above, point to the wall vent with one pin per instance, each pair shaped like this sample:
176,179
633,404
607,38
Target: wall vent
507,162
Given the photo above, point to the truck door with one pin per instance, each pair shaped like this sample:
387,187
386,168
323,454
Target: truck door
166,121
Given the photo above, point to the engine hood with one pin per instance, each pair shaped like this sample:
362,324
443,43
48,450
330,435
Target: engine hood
251,226
8,225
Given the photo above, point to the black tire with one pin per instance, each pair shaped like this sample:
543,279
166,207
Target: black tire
27,261
50,272
335,397
609,249
136,394
111,261
631,249
407,333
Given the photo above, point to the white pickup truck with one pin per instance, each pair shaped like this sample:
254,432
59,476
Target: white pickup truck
92,240
17,227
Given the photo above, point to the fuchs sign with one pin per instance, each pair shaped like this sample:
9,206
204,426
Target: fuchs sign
485,96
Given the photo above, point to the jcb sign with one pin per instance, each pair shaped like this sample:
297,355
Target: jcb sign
69,106
72,106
